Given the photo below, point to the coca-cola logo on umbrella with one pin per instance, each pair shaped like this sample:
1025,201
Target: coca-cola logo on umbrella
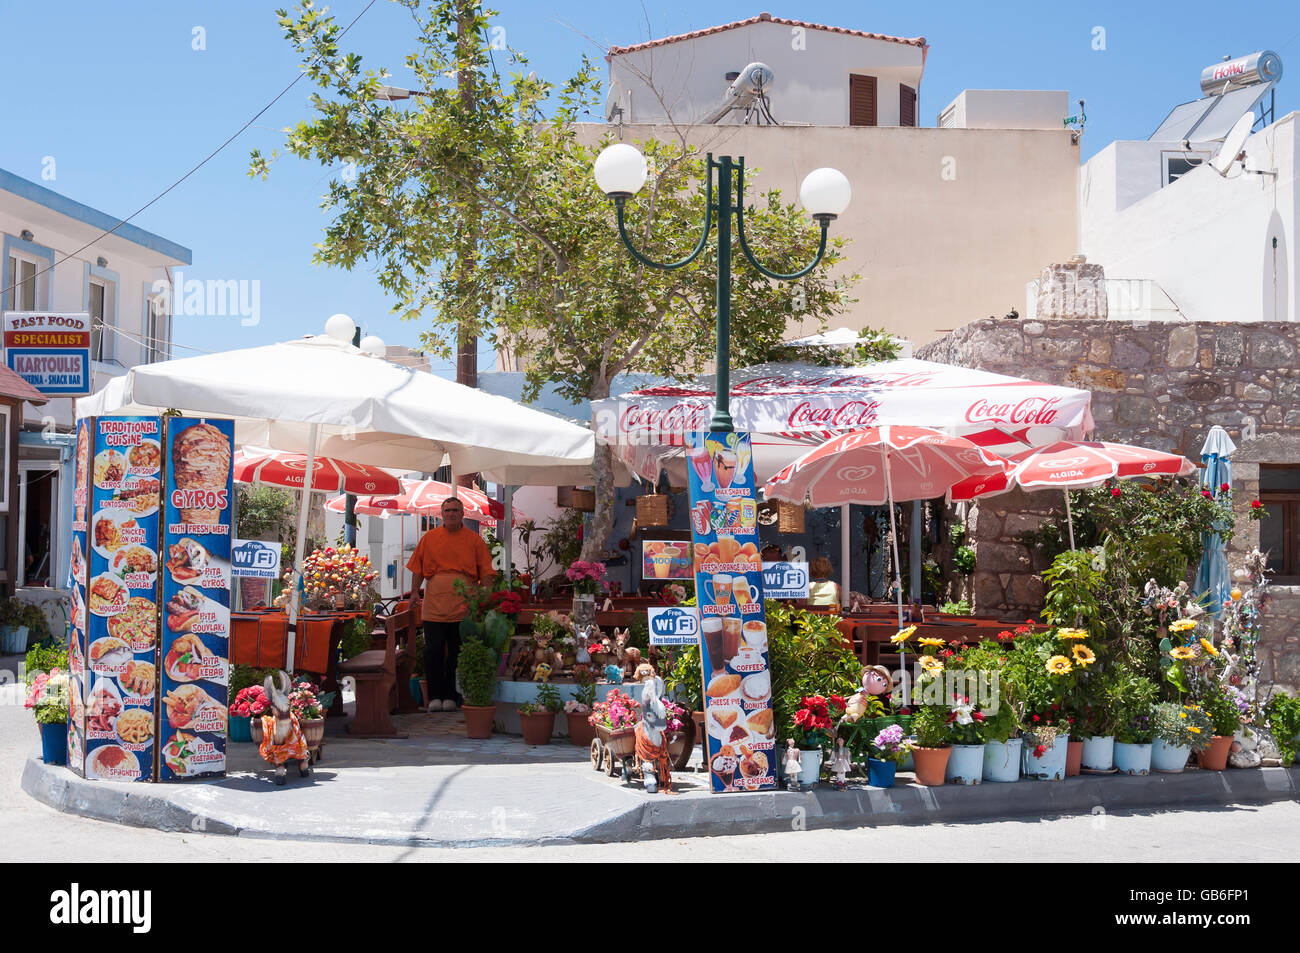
1030,410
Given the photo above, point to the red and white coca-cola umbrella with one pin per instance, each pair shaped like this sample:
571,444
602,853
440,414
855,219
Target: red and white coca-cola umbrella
425,497
880,465
282,468
1073,465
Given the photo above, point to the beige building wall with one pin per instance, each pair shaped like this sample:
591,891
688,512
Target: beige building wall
946,225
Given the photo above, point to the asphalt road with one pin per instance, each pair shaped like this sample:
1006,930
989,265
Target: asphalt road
31,831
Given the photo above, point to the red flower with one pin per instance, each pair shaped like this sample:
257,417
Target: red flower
1040,751
978,716
1207,494
1004,635
1036,718
1256,504
1114,491
945,653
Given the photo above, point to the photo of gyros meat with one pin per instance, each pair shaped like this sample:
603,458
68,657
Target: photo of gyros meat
200,461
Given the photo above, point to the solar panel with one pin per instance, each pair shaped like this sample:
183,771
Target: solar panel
1180,120
1227,110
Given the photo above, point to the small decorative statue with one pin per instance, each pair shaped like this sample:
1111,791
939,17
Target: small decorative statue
543,654
876,680
1245,749
619,648
792,766
643,671
841,764
631,661
282,739
613,674
652,738
582,651
542,673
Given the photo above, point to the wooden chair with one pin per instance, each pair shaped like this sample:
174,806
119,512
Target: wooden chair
375,672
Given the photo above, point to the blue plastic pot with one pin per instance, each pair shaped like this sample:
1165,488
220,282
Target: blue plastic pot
54,743
1049,767
880,774
1167,758
240,730
1133,758
1002,760
965,765
1098,753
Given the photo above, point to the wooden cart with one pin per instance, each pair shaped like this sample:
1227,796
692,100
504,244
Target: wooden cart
612,746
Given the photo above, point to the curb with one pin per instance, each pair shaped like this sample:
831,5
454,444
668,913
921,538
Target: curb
705,815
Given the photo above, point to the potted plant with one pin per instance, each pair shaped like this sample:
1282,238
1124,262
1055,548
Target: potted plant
47,696
615,721
814,732
251,703
932,749
1177,730
476,669
891,750
1221,705
1282,716
537,717
578,710
309,703
1131,696
987,663
1041,674
336,578
588,580
965,727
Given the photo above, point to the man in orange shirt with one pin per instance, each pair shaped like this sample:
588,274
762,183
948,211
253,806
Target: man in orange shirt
443,555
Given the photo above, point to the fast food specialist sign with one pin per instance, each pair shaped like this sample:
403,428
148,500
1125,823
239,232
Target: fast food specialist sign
51,351
739,720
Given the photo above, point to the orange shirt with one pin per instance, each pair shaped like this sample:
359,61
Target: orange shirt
442,557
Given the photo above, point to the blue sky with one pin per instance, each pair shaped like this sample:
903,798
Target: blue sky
118,96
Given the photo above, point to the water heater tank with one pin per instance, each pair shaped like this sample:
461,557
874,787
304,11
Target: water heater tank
1262,67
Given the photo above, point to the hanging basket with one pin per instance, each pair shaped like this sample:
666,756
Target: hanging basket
652,510
789,517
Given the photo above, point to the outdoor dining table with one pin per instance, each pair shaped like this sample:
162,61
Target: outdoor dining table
871,634
260,638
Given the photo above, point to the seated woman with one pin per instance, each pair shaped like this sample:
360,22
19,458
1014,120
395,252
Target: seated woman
822,590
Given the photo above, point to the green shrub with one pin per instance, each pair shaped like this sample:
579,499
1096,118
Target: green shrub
476,667
806,656
1282,714
1185,726
43,658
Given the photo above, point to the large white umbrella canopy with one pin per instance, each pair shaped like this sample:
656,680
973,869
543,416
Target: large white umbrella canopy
364,409
323,396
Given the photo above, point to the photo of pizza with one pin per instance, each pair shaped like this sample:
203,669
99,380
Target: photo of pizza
137,624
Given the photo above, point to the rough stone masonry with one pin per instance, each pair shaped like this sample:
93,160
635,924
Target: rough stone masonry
1154,384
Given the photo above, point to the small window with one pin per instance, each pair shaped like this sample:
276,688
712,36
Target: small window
1279,491
21,284
156,322
1178,164
906,106
862,100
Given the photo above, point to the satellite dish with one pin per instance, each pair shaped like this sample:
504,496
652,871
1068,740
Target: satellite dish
1233,143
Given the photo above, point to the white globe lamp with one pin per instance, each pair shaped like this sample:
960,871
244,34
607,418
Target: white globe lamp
373,345
825,193
341,328
620,171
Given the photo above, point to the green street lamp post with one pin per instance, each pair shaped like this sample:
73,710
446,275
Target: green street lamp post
621,172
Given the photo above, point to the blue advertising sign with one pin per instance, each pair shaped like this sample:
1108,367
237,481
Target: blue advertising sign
673,625
121,623
49,351
255,559
198,515
785,580
739,719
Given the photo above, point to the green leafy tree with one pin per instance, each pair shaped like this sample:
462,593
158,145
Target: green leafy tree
478,207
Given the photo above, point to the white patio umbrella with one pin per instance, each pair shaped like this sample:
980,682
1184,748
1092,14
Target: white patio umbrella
320,395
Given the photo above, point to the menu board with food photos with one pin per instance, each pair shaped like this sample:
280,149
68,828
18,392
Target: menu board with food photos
118,723
198,512
738,718
77,585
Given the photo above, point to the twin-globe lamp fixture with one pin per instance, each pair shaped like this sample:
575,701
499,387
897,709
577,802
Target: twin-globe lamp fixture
621,172
343,329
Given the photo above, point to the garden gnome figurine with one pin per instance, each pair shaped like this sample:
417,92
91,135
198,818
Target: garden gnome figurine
876,680
651,737
793,765
841,764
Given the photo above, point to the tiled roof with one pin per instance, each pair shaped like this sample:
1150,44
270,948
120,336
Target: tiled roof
768,18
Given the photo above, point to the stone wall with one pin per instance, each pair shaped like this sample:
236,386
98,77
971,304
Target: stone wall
1153,384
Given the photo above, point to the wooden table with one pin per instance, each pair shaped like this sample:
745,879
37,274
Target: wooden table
871,634
260,638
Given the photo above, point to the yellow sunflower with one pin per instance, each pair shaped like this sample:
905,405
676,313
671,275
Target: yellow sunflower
1209,647
1182,714
902,635
1194,728
1083,656
1182,625
931,665
1059,665
1071,633
1182,652
930,640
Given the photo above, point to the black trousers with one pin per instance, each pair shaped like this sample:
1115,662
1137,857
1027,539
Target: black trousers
441,649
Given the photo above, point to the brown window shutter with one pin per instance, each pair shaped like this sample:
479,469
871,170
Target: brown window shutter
906,106
862,100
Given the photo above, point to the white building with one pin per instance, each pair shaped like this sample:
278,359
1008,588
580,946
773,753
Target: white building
1177,239
57,258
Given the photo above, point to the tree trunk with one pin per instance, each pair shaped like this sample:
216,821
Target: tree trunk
602,473
466,342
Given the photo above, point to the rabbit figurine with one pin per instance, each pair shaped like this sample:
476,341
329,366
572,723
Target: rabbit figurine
283,740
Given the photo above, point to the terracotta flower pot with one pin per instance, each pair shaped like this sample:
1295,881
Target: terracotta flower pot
478,720
537,727
1074,759
1215,757
931,763
580,732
